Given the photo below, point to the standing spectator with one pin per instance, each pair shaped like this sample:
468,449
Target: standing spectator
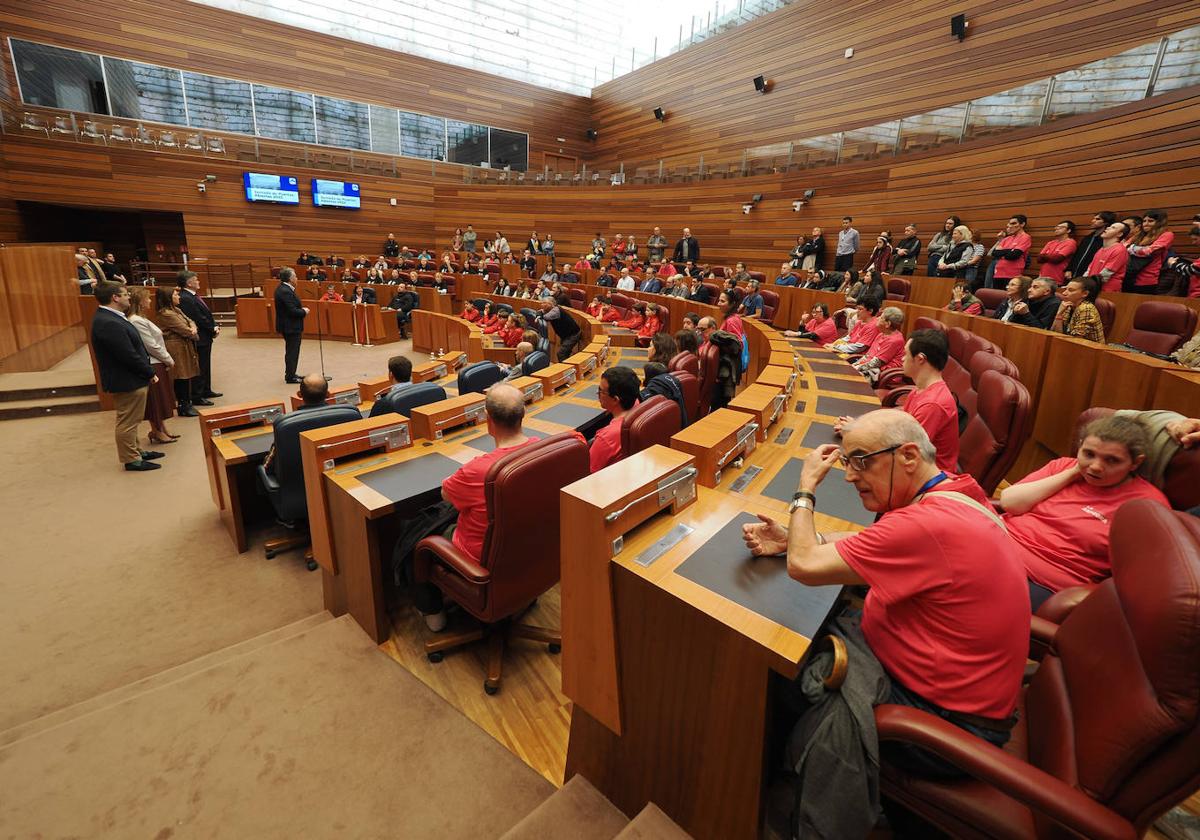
618,248
618,393
1147,252
881,254
954,260
194,306
159,398
908,251
1057,254
500,244
1009,253
971,273
1111,260
731,322
939,245
631,249
125,371
1188,268
847,246
1078,315
656,245
468,240
812,255
534,245
456,244
112,271
568,332
797,253
599,245
289,322
180,338
391,248
548,248
1089,245
85,274
687,249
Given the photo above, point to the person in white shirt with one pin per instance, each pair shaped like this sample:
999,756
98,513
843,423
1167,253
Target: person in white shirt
625,283
500,245
160,397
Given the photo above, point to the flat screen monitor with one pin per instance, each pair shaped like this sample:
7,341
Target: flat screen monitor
278,189
335,194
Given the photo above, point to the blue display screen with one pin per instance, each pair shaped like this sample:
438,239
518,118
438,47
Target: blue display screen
279,189
335,194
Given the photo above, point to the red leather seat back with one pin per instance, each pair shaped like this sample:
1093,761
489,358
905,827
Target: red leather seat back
578,299
840,319
690,383
1160,327
1115,707
709,358
957,338
622,301
975,344
521,546
991,298
927,323
687,361
648,423
958,378
1108,314
899,289
991,361
998,429
770,304
714,292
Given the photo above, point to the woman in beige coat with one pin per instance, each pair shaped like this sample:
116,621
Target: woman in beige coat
159,399
180,334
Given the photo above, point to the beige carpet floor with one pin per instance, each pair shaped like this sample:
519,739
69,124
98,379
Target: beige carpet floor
317,735
108,577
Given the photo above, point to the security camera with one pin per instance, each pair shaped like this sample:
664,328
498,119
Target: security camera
746,208
201,187
796,205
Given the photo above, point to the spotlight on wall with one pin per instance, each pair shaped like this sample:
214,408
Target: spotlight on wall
591,134
760,84
808,194
660,114
958,26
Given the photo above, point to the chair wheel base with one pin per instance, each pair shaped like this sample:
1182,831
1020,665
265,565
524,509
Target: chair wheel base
270,555
436,656
554,647
311,564
489,689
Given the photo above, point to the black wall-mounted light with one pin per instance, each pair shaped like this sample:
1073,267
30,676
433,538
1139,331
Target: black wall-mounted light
660,114
760,84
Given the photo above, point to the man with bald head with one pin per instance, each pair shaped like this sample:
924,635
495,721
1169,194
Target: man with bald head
947,612
514,371
687,248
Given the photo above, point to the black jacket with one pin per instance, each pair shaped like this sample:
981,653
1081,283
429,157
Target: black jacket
404,301
1084,252
693,250
911,244
667,386
206,325
701,295
391,248
289,314
120,354
816,248
1041,312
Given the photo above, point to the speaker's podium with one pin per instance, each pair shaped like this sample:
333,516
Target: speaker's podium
671,635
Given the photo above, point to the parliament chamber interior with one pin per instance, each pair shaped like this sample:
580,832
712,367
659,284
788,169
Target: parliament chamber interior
718,421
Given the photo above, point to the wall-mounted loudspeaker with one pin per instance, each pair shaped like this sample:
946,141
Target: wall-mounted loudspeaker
760,84
659,114
808,194
958,26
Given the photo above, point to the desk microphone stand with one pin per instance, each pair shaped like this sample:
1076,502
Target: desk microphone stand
321,344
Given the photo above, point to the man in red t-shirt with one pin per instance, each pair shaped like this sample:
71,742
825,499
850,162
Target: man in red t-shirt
947,614
1111,260
1056,254
1009,252
618,393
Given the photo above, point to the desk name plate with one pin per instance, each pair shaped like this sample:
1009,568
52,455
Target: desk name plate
677,489
743,446
472,416
533,392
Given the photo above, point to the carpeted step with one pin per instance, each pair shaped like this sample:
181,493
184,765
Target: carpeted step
576,811
22,409
652,824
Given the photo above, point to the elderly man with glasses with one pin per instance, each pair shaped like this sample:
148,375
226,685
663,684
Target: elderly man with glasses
946,618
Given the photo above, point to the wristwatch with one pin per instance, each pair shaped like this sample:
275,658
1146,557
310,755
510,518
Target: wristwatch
803,499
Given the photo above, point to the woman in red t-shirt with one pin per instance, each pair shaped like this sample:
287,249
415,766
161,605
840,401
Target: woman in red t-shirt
1060,514
513,331
1056,254
1152,243
652,326
728,303
635,318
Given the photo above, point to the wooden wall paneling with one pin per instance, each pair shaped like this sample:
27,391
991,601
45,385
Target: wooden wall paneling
40,292
8,332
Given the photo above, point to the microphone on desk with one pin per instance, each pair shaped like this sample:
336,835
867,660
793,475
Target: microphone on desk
321,346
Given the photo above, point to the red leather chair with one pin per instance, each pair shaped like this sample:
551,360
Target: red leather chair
1109,731
690,383
520,558
770,305
578,299
1108,314
685,361
1160,327
758,275
714,292
648,423
991,299
841,321
955,373
899,289
622,301
927,323
996,431
709,359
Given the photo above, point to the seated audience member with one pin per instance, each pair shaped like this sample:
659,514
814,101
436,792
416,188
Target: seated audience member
502,287
907,252
651,284
1147,252
1038,308
491,320
699,292
625,281
667,269
403,302
584,262
651,327
819,327
939,631
752,303
314,391
463,492
1078,315
1060,514
512,331
361,262
786,278
961,300
335,261
524,348
305,258
374,276
315,274
441,282
381,265
470,313
617,392
528,263
400,372
888,347
863,331
1018,292
1111,259
662,348
691,321
687,340
332,294
740,274
1056,254
362,295
596,306
932,404
635,318
549,275
954,261
656,381
607,280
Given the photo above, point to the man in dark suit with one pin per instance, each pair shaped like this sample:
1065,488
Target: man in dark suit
687,248
193,306
651,284
125,371
289,322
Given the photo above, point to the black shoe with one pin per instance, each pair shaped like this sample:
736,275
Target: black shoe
292,380
186,410
142,466
212,395
149,455
202,401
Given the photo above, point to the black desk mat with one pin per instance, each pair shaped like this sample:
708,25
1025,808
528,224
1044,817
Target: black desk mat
614,330
591,392
569,414
834,366
487,443
406,480
635,352
836,407
809,350
725,566
817,435
835,497
846,386
256,445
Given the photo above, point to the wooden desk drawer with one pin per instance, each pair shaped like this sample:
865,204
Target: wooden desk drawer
765,403
432,421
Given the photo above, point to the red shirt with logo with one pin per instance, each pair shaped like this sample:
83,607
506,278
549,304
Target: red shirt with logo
937,412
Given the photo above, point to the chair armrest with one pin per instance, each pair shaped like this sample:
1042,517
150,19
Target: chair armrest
1041,636
892,377
1030,785
441,550
896,396
1058,606
269,482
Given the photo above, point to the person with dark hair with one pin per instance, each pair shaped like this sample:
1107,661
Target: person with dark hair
125,371
939,245
908,251
1060,514
403,302
618,393
1147,253
289,322
1057,253
847,246
812,252
192,305
1009,253
179,334
752,303
863,330
662,348
819,327
1039,306
881,254
635,318
568,332
699,293
657,381
1018,292
400,371
391,248
729,304
961,299
1078,315
1188,268
687,340
1111,259
1089,245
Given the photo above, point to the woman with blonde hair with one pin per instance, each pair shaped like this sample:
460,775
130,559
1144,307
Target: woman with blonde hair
159,399
179,332
956,259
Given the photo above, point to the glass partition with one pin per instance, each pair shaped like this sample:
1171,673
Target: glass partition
508,149
145,92
283,114
1103,84
343,123
58,78
870,142
422,136
817,151
1181,62
1008,109
385,130
466,143
924,131
219,104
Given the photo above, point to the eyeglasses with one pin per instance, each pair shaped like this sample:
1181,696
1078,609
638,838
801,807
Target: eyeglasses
859,462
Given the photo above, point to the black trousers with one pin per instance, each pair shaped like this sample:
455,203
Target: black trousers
843,262
569,346
291,354
202,382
